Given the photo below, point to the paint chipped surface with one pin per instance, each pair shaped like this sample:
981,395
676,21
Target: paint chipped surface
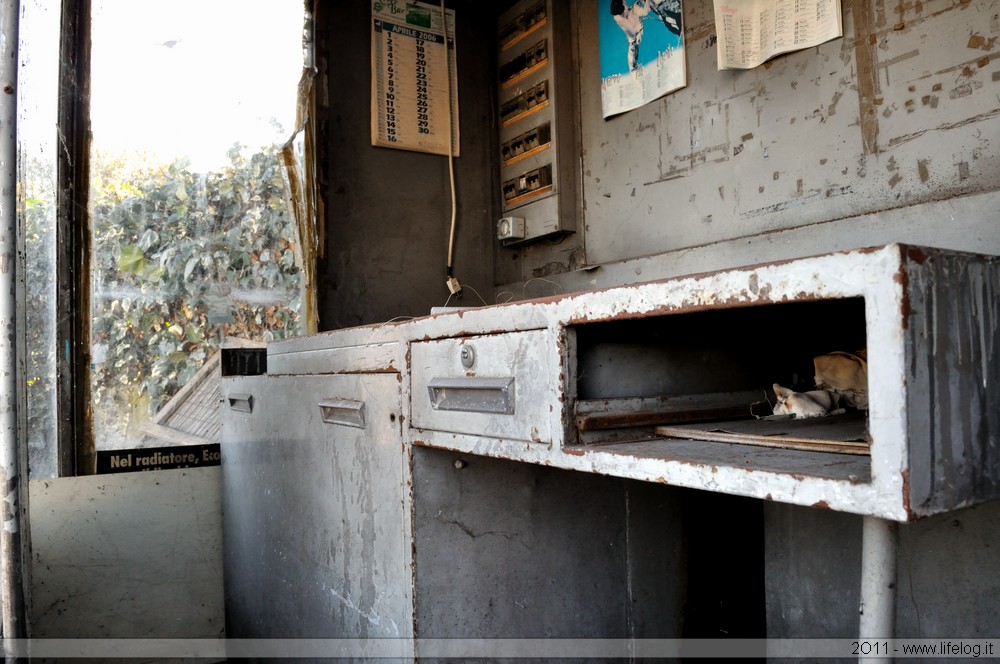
910,81
323,507
887,278
11,517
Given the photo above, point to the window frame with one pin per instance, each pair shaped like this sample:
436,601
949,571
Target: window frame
75,445
76,448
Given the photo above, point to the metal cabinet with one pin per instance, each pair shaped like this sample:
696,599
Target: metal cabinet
539,176
615,360
316,518
420,479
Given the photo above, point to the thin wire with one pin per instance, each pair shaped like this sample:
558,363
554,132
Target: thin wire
451,141
524,289
379,328
464,286
485,303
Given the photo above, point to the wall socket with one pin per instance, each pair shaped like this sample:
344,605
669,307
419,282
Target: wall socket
510,228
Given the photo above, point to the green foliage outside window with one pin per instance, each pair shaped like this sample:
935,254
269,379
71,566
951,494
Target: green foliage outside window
38,222
180,261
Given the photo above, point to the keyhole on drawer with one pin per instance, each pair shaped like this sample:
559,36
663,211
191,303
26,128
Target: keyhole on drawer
392,417
468,356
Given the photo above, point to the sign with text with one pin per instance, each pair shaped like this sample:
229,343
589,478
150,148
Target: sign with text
158,458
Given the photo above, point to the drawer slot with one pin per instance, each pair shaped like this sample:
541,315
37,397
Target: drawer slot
499,386
241,402
345,412
473,394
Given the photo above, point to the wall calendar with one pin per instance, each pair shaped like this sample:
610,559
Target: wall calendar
414,77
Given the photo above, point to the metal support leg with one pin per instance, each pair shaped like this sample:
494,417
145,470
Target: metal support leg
879,544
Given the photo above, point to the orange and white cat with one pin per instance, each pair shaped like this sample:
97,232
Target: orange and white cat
844,374
816,403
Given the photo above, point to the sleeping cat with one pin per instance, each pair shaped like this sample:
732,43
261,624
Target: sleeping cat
844,374
817,403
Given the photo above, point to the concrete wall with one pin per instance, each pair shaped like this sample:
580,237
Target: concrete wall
947,577
132,555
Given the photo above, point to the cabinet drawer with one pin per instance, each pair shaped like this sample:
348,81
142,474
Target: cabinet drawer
499,386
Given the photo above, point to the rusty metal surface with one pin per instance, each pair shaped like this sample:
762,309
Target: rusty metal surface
616,420
852,469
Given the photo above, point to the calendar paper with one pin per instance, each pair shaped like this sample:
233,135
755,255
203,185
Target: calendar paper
753,31
414,80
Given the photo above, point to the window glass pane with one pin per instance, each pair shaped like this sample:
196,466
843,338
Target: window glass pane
37,85
192,238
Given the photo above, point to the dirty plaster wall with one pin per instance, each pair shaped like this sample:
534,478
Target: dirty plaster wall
130,555
388,212
891,133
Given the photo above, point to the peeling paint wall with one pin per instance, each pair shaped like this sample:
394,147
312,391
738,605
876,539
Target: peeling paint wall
902,112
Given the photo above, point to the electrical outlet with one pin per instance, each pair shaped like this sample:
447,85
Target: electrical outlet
510,228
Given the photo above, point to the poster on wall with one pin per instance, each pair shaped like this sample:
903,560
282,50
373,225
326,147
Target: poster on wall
751,32
414,77
642,52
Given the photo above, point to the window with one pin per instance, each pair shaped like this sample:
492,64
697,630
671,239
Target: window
177,233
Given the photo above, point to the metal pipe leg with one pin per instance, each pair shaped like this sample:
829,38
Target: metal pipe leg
879,544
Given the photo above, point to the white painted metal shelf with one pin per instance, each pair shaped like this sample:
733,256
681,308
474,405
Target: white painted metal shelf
930,320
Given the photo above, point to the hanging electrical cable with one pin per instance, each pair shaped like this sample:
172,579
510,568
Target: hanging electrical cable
454,287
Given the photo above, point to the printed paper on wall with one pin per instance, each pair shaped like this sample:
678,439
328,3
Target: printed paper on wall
642,52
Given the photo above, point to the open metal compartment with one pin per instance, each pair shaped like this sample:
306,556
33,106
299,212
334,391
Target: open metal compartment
708,367
697,386
928,318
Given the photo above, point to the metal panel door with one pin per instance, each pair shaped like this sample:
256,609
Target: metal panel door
316,508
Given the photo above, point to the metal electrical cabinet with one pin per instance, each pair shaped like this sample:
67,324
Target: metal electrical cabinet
539,176
316,526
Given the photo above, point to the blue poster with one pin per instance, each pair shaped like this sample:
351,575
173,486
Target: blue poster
642,52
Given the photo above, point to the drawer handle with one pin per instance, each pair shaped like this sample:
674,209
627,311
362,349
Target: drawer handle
473,395
346,412
241,402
